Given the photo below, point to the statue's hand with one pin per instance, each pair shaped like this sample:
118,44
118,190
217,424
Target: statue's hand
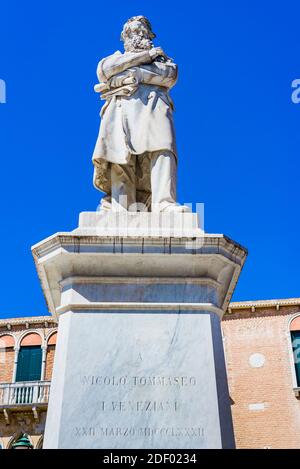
128,77
129,81
158,52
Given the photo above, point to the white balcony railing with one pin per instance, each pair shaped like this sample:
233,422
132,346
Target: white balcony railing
24,393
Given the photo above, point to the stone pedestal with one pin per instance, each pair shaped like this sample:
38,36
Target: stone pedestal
139,360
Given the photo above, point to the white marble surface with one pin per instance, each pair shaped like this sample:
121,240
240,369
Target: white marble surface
125,223
151,265
82,291
135,381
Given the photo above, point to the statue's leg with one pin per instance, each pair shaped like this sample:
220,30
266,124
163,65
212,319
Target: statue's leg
163,183
143,182
123,187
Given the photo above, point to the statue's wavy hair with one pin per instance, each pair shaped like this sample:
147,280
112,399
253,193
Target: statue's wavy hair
140,19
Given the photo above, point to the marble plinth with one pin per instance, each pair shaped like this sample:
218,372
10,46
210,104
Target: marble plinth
138,380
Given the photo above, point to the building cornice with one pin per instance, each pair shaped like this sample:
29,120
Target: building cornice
237,306
30,320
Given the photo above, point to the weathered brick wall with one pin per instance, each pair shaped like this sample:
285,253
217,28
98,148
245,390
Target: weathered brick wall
7,357
266,412
49,362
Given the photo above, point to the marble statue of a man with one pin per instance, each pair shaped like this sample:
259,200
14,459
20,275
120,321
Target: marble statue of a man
135,156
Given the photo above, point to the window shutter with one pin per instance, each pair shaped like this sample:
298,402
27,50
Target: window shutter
296,350
29,364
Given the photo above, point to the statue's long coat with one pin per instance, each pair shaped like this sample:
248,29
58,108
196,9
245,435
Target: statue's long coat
135,124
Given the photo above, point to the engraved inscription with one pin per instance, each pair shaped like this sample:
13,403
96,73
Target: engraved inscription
92,380
148,432
132,388
138,406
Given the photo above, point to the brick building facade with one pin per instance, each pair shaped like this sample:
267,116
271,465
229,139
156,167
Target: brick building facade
261,372
263,379
27,345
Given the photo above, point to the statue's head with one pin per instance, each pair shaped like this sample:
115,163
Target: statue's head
137,34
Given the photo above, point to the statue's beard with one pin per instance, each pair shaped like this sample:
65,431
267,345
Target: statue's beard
137,43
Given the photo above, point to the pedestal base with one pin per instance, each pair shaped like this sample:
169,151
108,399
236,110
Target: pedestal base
139,360
139,380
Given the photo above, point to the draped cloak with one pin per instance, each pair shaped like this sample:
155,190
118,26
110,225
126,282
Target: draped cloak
136,117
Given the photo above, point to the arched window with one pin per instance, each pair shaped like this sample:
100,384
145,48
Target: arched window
30,358
295,338
7,354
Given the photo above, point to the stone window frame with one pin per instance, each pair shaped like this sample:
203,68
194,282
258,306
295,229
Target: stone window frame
18,340
52,332
296,388
30,331
18,346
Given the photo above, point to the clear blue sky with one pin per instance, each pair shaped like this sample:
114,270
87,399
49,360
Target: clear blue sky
238,131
